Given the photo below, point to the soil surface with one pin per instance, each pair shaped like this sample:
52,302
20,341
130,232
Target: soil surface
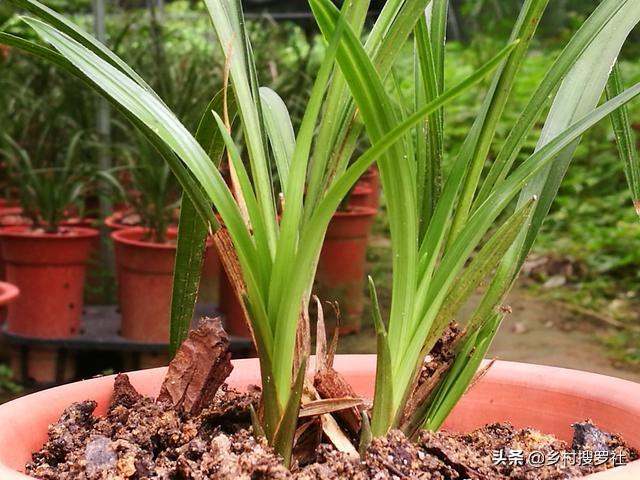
140,438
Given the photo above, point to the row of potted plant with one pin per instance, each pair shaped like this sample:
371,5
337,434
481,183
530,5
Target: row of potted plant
46,255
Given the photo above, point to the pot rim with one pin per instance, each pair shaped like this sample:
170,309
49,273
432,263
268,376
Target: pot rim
7,210
8,293
131,236
24,231
112,221
357,211
83,222
362,189
619,394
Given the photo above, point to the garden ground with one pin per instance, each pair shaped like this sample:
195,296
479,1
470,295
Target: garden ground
539,330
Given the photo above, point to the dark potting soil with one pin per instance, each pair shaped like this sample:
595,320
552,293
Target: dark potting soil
141,438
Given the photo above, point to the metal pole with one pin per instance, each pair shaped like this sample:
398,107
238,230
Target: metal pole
103,130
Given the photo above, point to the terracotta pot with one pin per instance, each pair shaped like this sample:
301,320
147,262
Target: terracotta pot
42,366
546,398
210,279
12,217
94,291
371,178
341,268
361,195
234,320
113,221
8,293
145,275
49,270
7,205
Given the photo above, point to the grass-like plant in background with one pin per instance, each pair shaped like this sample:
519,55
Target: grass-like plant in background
48,187
448,228
151,190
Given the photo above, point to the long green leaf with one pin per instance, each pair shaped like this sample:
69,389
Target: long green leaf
281,307
280,132
190,247
395,167
625,138
287,428
69,28
154,116
194,191
226,17
579,93
493,108
594,47
462,371
603,15
383,397
486,260
193,231
431,295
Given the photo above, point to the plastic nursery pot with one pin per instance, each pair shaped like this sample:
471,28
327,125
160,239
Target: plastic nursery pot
49,270
371,178
8,293
547,398
8,206
42,366
12,217
210,278
95,276
341,268
361,195
234,320
145,273
114,221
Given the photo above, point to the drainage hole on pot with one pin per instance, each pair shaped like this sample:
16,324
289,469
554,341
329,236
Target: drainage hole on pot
66,285
72,306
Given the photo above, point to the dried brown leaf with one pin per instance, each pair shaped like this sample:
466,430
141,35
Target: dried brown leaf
329,405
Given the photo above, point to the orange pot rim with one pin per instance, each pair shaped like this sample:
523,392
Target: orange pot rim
515,390
362,189
357,211
112,222
131,236
25,231
10,210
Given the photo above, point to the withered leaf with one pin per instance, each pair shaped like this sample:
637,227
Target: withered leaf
328,405
330,384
